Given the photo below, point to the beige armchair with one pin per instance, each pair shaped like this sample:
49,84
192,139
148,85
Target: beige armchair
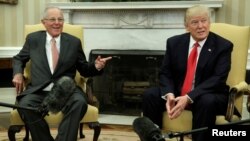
91,116
239,35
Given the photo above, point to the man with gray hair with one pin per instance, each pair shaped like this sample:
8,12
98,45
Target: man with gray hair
53,55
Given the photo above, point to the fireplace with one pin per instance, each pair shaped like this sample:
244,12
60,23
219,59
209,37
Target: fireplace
135,34
130,72
130,25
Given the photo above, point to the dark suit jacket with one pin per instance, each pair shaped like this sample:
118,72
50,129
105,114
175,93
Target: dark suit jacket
71,58
212,69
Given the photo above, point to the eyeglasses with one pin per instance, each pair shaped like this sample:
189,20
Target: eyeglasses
53,20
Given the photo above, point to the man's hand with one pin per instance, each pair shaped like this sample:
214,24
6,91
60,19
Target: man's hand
18,82
177,106
100,62
170,104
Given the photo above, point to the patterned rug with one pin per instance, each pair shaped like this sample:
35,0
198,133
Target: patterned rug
106,135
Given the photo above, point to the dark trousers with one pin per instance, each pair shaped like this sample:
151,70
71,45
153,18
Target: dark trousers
204,110
73,111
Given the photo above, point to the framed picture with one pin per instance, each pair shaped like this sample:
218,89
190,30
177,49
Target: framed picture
9,1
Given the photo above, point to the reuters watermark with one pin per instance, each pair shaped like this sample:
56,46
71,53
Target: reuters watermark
226,131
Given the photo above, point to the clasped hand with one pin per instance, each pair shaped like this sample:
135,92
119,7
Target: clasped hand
175,106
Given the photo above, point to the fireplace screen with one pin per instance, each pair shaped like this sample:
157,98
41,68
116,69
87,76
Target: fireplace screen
125,78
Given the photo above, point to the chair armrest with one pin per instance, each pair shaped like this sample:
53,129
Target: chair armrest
26,74
248,99
240,88
248,103
92,100
86,84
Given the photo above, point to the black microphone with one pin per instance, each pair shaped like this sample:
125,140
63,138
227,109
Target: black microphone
55,100
147,130
61,91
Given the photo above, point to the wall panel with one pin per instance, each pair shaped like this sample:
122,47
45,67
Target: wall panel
14,17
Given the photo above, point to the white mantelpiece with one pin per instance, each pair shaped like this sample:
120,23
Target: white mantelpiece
161,14
130,25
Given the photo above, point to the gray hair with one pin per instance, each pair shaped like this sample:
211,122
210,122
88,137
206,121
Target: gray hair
45,13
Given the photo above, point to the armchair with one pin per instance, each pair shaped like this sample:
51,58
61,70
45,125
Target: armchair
91,116
239,35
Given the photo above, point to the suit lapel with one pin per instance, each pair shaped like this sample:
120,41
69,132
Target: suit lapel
205,54
182,52
42,51
63,50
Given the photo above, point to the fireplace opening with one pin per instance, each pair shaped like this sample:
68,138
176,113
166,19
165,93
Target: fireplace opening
130,72
6,72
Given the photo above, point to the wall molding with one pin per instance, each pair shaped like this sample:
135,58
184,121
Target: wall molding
130,25
9,52
157,14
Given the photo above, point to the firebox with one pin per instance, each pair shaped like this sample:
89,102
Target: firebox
130,72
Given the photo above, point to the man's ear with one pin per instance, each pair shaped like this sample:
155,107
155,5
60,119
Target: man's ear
42,21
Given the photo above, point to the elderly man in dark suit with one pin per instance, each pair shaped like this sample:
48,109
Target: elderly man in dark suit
45,71
207,95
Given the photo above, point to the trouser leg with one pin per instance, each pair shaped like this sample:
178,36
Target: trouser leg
73,111
204,112
38,127
153,105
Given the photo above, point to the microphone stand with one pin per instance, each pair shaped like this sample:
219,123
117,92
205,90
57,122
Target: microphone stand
43,110
181,134
18,107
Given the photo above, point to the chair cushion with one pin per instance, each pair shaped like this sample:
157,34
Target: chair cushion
15,118
54,119
184,122
91,114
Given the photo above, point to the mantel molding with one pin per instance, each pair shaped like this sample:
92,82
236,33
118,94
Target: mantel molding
130,25
161,14
9,52
135,5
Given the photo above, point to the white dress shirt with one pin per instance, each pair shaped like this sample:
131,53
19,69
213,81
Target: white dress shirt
49,55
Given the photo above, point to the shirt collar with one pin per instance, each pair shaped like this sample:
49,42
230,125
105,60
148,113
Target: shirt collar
201,43
49,37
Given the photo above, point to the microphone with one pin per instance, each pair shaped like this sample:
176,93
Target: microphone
147,130
60,93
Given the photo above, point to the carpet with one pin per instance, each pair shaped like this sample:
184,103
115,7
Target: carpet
106,135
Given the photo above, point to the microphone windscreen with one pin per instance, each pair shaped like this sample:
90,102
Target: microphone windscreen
147,130
59,94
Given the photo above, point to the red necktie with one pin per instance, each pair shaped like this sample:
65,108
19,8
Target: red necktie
191,67
55,53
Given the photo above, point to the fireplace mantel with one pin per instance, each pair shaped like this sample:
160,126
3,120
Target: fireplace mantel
130,25
136,5
160,14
